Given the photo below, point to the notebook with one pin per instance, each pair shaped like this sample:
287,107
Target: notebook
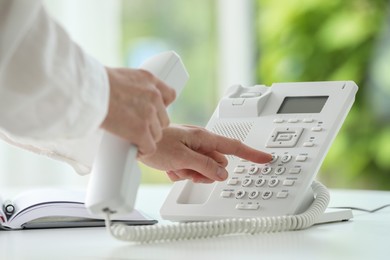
56,208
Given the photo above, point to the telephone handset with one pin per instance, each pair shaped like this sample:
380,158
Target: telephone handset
296,122
115,175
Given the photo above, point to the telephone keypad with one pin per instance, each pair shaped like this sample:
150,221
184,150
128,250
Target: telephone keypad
275,180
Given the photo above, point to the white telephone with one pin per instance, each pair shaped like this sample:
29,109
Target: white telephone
296,122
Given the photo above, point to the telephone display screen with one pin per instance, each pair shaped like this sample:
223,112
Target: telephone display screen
293,105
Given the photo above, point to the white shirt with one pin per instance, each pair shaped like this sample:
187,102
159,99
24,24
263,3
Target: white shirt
53,96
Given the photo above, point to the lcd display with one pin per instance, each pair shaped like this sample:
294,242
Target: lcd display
296,105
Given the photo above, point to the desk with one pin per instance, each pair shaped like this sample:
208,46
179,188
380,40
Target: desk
366,236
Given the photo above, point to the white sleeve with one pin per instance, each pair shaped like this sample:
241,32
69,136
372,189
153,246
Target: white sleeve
53,96
49,87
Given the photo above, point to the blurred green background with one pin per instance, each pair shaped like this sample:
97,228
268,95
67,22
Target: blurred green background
313,40
152,26
306,40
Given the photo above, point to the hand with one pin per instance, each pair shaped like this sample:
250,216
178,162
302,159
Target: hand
137,107
188,152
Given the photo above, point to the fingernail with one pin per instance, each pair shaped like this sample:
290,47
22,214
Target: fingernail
222,173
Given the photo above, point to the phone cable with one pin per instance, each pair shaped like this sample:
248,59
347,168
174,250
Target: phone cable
196,230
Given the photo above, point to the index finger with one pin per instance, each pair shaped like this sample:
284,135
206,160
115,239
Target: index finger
235,147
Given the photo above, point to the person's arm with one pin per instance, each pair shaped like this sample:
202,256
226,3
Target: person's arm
55,98
49,87
189,152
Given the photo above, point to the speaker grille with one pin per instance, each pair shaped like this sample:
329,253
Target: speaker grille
233,130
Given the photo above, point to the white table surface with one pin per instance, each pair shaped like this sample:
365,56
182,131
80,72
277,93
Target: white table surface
366,236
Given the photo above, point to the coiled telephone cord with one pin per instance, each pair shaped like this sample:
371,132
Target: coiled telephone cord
196,230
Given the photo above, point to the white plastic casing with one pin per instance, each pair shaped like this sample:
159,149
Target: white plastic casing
115,173
254,115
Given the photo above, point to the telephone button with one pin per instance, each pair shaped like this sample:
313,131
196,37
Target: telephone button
240,206
278,120
308,144
308,120
253,170
282,194
226,194
280,170
284,137
274,158
232,182
301,158
240,194
239,169
286,158
316,129
293,120
295,170
253,194
246,182
288,182
266,170
259,182
267,195
247,206
273,182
